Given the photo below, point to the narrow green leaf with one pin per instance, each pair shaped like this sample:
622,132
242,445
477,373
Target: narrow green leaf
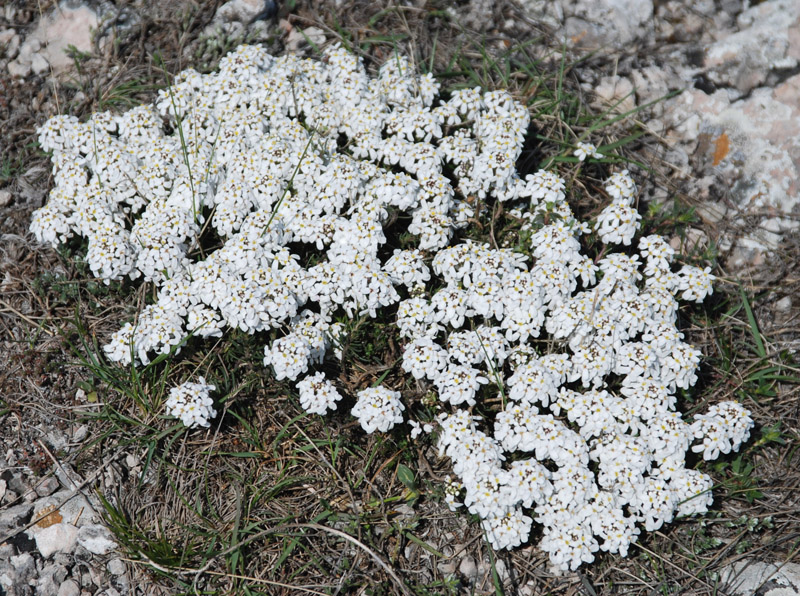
406,476
751,319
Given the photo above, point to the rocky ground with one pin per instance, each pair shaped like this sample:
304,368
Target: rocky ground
733,130
730,143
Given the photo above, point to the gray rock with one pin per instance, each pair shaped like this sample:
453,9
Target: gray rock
57,439
39,64
14,517
69,588
747,146
116,567
24,565
122,584
80,433
66,25
765,41
8,577
600,23
9,41
56,538
19,69
502,570
468,568
784,304
757,578
616,91
16,482
74,509
96,539
47,486
244,11
447,568
46,586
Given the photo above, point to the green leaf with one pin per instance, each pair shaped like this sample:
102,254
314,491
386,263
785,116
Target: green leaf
406,476
751,319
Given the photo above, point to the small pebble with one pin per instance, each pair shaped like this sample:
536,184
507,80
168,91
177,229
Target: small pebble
86,580
447,568
47,486
502,570
69,588
56,538
116,567
467,568
96,539
80,433
784,304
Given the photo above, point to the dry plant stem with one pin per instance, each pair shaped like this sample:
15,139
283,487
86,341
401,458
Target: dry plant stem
673,565
366,549
198,572
328,464
25,318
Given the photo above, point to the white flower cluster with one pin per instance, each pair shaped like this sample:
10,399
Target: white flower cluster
298,166
378,408
191,403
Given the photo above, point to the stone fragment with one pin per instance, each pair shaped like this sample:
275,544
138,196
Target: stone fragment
784,304
56,538
244,11
80,433
616,91
69,588
47,486
15,481
751,577
8,577
116,567
67,25
502,570
604,23
300,38
468,568
19,68
39,64
446,567
13,518
24,565
50,578
751,147
96,539
73,508
768,39
5,199
9,43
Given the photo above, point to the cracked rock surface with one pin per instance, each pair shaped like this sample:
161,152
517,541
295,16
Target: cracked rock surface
733,129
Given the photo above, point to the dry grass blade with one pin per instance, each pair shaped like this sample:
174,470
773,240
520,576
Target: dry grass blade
400,583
